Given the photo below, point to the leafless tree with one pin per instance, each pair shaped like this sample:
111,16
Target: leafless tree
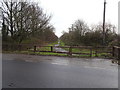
25,20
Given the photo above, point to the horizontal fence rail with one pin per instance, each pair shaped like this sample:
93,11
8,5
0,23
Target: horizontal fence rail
68,50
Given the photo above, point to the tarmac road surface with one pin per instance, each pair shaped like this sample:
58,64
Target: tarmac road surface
28,71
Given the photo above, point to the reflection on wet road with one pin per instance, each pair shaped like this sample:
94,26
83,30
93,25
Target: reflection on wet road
89,62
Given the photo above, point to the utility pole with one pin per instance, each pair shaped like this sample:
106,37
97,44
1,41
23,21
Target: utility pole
104,22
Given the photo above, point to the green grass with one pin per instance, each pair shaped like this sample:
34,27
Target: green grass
77,50
102,55
47,48
44,49
81,50
50,53
74,50
62,43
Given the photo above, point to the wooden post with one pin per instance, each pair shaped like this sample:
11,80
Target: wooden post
11,48
6,47
118,53
113,51
70,51
96,52
19,47
51,48
90,52
34,48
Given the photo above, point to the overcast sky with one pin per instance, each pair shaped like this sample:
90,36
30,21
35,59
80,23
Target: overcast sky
65,12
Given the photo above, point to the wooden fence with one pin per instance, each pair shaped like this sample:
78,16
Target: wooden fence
70,50
90,51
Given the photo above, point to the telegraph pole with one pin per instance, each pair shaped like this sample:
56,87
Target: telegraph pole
104,22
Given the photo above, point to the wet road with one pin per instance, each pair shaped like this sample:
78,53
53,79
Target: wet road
59,49
27,71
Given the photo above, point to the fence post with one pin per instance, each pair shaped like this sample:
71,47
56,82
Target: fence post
96,52
51,48
12,45
113,51
70,51
19,46
34,49
118,53
90,52
6,47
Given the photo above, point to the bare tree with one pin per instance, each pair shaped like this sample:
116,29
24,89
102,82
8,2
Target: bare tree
25,20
